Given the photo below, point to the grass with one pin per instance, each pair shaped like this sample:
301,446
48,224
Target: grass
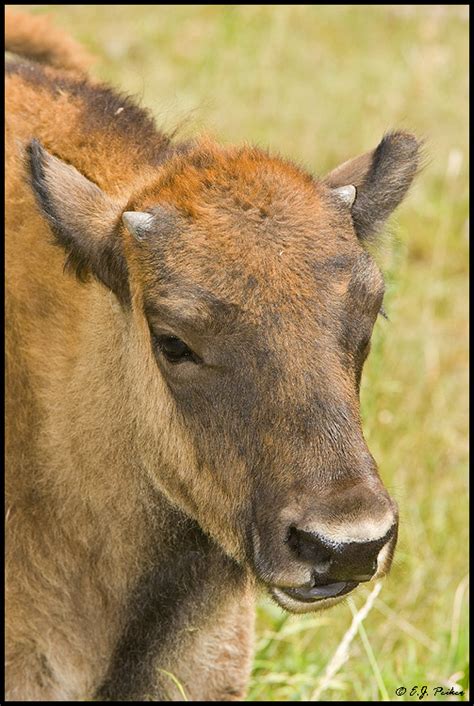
321,84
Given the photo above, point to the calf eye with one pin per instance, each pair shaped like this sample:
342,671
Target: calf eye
175,350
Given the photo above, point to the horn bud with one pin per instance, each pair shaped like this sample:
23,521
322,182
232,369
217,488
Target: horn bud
346,194
138,223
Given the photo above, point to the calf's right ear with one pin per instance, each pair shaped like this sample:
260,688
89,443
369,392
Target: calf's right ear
84,220
373,184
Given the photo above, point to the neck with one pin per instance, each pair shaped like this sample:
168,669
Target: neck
184,582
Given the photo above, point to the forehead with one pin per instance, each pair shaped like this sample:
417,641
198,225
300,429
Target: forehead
250,231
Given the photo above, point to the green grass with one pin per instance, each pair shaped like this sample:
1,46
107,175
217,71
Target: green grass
321,84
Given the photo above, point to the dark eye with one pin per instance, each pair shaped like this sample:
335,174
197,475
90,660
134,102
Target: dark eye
175,350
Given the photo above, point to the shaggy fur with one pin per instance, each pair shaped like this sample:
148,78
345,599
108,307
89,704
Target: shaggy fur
146,500
35,38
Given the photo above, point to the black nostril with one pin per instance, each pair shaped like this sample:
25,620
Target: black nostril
292,538
336,561
308,546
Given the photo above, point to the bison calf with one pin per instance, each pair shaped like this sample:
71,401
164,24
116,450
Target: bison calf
187,327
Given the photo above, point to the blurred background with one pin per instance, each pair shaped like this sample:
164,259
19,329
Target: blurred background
320,84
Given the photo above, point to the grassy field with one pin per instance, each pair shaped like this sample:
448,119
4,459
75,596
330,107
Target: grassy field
320,84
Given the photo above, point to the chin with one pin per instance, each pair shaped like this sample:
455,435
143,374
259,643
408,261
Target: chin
293,605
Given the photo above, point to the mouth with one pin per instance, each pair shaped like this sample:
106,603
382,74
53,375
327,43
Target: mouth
307,599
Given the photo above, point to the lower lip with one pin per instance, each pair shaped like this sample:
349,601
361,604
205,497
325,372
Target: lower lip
320,593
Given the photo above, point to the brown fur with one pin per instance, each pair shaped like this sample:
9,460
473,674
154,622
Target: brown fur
36,38
144,502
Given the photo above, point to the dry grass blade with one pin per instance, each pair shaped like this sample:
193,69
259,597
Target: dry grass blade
176,682
342,653
456,616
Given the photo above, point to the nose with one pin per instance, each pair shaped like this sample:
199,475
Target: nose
337,561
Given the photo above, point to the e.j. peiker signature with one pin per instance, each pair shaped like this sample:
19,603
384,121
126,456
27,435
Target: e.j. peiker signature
420,692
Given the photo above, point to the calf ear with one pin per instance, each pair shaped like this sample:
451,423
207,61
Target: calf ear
381,179
83,219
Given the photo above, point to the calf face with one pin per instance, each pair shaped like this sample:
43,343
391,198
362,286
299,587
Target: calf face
249,301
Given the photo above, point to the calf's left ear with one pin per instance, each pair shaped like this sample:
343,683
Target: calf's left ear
373,184
84,220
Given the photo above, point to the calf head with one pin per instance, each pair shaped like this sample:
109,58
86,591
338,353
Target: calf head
250,299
